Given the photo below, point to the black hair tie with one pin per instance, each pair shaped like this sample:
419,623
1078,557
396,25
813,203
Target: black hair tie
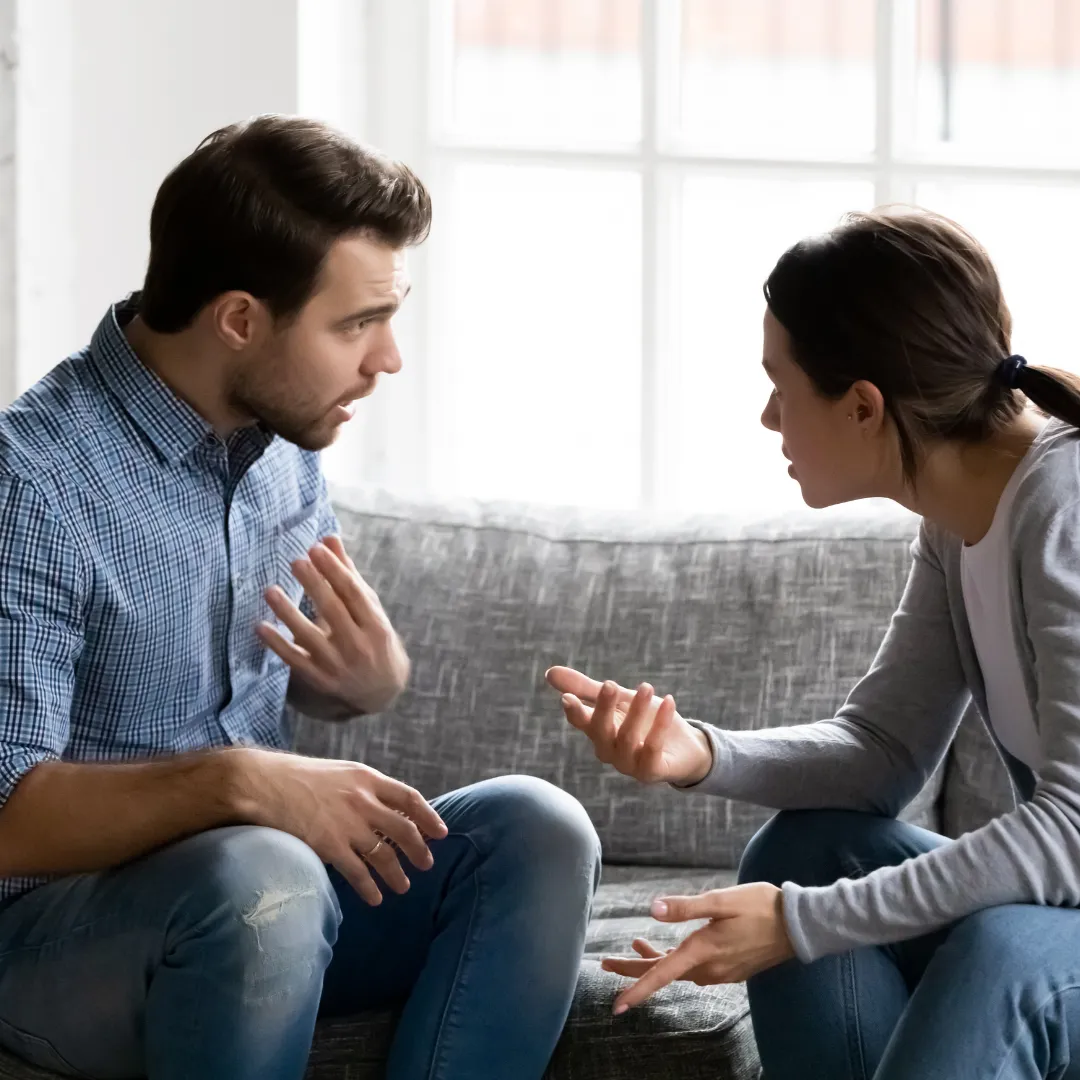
1009,370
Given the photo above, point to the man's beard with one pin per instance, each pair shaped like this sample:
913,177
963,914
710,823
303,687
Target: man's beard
309,428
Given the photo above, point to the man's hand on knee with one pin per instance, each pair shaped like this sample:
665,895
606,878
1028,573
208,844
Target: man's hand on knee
352,816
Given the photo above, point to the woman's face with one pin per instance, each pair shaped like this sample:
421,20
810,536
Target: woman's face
834,446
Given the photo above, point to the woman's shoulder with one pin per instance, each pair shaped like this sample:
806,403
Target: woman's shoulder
1050,486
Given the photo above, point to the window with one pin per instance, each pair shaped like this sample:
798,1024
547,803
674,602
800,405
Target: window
613,180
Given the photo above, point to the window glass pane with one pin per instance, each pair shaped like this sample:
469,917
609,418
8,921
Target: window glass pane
1000,78
777,77
1030,234
732,233
559,72
536,354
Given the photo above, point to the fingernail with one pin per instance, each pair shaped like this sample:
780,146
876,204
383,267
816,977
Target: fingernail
566,699
659,909
620,1009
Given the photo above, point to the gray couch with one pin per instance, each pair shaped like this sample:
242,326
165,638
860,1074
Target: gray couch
749,625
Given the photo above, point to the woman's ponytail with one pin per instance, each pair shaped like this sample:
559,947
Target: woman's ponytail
1052,391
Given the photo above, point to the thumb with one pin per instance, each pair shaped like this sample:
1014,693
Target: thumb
708,905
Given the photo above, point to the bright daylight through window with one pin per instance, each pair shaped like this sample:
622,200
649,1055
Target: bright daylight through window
613,179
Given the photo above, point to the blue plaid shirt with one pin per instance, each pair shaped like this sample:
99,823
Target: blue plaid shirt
135,545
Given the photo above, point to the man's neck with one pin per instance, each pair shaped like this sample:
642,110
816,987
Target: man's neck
188,370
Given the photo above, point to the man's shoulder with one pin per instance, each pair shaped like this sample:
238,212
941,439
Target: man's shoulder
52,425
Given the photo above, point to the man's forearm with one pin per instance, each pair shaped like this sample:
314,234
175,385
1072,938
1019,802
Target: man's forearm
66,818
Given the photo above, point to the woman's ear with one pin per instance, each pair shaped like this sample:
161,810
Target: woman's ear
867,406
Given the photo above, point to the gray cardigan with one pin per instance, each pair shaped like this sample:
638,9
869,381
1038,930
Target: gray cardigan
879,749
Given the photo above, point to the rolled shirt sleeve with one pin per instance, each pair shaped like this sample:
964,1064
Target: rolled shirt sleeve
41,631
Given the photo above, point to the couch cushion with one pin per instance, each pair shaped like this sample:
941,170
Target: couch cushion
748,625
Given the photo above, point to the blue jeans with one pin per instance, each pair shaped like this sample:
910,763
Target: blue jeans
212,957
995,996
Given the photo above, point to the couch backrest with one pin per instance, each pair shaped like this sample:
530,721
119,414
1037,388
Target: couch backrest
748,625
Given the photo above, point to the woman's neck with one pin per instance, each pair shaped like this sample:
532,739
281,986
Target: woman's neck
959,486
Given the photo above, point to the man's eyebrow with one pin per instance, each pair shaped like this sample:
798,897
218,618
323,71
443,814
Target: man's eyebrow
377,312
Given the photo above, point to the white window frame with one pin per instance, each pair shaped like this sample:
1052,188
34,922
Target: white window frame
406,44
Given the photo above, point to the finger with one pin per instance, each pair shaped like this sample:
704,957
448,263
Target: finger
627,965
295,657
673,966
358,598
578,714
661,725
569,681
645,948
413,805
650,756
602,727
305,633
707,905
355,871
403,833
338,548
384,861
633,728
324,596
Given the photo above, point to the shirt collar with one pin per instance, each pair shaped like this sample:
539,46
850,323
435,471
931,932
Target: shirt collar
170,423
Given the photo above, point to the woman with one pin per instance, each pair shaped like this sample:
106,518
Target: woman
873,948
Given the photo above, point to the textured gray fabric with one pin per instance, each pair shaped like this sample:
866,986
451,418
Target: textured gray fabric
748,625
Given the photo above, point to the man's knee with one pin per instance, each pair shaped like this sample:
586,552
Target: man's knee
541,821
261,888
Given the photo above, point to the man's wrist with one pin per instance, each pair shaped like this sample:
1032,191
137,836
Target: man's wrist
240,784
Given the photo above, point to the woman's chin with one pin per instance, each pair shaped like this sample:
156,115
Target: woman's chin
816,500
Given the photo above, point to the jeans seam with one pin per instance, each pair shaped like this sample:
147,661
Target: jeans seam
855,1042
1042,1005
458,982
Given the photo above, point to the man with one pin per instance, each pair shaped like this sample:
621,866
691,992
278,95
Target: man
180,897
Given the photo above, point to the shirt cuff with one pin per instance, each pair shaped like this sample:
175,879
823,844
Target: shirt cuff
793,922
16,762
714,746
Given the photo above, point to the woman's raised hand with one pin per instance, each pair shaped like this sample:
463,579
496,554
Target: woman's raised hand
637,732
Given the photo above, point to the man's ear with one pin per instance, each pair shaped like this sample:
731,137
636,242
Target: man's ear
239,319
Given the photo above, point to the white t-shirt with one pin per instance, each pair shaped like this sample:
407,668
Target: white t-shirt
986,578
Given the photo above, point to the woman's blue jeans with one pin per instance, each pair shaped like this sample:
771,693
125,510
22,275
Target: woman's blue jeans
995,996
212,957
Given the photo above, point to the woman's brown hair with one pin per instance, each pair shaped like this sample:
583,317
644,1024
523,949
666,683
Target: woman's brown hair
909,301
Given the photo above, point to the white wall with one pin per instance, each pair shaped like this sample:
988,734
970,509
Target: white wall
7,199
110,95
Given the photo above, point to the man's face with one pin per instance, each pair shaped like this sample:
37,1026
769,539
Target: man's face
303,381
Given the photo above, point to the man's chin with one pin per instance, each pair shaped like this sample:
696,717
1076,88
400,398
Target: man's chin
316,437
